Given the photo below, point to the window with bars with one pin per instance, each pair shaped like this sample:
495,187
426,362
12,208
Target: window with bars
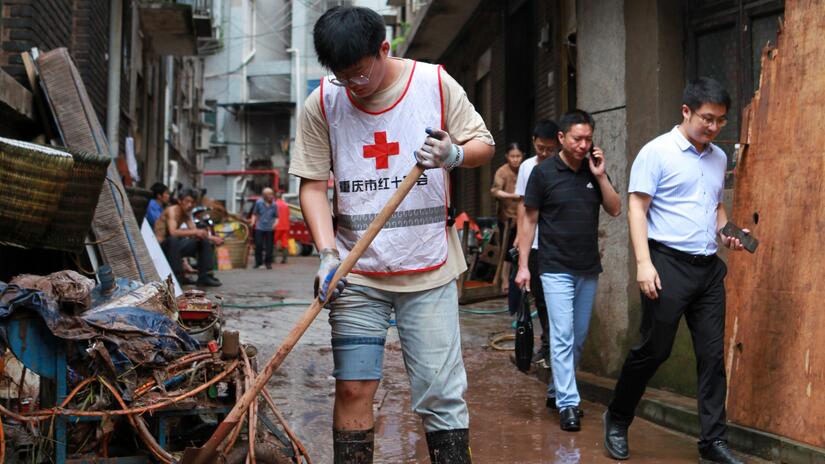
724,41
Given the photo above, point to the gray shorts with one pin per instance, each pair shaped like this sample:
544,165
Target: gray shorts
428,327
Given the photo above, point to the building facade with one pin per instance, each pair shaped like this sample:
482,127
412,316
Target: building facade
158,105
626,62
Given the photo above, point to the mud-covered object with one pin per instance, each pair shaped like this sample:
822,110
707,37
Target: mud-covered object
132,336
449,446
71,289
353,446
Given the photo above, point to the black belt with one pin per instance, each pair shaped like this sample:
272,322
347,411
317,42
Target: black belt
699,260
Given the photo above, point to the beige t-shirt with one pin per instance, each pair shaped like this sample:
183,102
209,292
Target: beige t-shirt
505,179
311,158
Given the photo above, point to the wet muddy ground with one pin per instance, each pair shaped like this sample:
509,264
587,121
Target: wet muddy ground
509,421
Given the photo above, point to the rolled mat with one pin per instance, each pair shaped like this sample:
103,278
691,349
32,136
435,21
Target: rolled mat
114,224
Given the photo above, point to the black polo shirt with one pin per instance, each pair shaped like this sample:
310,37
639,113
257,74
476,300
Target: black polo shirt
568,202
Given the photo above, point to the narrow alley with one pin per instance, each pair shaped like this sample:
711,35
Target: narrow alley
509,421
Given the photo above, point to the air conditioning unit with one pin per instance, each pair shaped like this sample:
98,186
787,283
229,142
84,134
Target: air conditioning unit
202,140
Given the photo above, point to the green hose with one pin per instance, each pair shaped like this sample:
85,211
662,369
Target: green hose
277,304
483,311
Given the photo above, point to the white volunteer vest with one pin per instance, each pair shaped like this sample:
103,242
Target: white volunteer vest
371,154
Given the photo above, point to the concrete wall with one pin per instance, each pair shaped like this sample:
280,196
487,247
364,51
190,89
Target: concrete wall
631,73
601,40
656,79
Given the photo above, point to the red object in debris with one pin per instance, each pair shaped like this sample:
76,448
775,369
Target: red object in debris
300,232
213,346
464,217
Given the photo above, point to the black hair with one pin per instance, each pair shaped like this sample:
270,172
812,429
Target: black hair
546,129
346,34
513,146
188,192
705,90
158,189
573,117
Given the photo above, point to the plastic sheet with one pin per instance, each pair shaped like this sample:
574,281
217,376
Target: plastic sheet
130,335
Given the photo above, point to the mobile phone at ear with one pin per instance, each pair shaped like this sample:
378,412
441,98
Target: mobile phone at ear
596,161
747,240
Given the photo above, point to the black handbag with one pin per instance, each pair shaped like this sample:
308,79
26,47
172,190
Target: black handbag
524,334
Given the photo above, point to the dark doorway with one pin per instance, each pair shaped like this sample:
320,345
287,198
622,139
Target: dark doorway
520,88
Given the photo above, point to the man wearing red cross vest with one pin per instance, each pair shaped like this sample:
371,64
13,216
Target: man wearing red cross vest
369,122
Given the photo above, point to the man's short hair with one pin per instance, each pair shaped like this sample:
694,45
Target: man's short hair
546,129
346,34
188,192
705,90
158,189
573,117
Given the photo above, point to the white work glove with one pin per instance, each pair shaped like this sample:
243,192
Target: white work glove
439,151
330,260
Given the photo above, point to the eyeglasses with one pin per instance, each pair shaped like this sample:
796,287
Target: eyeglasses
357,80
708,120
544,149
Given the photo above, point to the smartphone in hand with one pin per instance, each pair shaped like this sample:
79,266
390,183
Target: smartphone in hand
747,240
596,159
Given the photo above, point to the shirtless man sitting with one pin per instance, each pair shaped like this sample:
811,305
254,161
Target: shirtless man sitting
179,238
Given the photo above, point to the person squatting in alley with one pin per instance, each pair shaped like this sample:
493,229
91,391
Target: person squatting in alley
564,195
371,121
676,214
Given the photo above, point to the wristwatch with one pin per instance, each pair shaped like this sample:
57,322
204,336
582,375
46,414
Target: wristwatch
458,160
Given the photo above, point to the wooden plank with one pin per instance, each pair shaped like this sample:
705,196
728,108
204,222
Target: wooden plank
16,97
775,323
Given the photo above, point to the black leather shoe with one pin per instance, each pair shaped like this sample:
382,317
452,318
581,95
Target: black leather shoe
551,404
615,438
718,453
569,419
209,281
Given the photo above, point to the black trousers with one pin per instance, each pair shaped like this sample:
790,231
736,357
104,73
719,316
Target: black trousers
538,296
176,248
697,291
264,241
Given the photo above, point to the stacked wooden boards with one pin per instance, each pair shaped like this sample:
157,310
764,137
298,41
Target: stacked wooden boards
775,341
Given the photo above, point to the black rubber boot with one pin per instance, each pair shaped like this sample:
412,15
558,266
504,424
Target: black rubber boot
449,446
353,446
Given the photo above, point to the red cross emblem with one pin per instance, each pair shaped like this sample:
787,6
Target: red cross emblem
381,150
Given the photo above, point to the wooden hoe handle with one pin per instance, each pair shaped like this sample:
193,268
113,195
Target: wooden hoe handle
206,454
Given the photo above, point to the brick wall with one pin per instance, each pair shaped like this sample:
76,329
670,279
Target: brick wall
80,25
45,24
89,45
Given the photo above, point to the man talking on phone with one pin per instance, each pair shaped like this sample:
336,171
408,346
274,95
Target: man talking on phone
565,194
676,213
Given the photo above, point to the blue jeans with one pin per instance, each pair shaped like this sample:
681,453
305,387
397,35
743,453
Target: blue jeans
569,304
428,327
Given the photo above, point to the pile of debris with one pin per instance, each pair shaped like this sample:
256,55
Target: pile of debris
128,370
